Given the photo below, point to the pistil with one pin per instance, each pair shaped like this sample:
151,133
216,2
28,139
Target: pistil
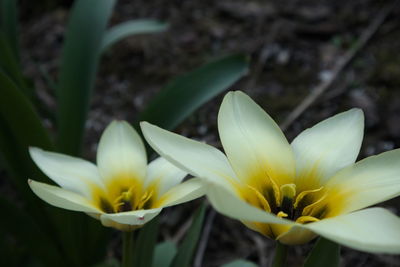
288,192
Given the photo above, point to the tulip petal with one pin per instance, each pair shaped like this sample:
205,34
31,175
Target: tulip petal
71,173
368,182
121,152
196,158
329,146
296,236
187,191
164,175
253,142
229,204
373,230
62,198
130,218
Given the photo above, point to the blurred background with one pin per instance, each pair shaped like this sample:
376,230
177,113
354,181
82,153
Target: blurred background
293,46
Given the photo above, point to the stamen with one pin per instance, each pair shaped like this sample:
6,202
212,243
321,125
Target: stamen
143,201
288,192
282,214
306,219
309,210
261,199
124,201
303,195
273,194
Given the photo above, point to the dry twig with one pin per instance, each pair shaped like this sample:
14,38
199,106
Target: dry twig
341,63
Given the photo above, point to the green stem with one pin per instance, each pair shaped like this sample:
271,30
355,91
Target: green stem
127,249
280,255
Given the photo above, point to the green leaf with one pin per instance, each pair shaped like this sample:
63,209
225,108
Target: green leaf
9,64
130,28
324,253
108,263
20,128
240,263
80,58
188,92
145,244
186,250
29,236
9,24
164,254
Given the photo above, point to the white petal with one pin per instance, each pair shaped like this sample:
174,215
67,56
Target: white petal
62,198
187,191
228,204
252,140
71,173
368,182
164,174
329,146
196,158
371,230
296,235
121,152
132,218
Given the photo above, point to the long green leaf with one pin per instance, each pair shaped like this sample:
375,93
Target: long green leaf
188,246
145,243
28,234
324,253
130,28
21,126
9,64
164,254
187,93
9,24
239,263
80,58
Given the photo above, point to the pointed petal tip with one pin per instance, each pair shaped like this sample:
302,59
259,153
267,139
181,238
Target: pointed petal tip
34,151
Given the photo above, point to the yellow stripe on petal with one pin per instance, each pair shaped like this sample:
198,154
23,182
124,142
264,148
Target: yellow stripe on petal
306,219
252,140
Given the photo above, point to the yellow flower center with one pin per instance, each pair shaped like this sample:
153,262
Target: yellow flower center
284,201
124,194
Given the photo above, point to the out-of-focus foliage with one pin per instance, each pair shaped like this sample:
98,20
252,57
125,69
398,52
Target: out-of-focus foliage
78,68
164,254
51,236
239,263
130,28
324,253
192,90
188,246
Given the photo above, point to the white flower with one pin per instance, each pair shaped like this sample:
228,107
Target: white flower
122,190
293,192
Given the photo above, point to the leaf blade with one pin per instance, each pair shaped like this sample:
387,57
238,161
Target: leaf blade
9,24
239,263
187,248
164,254
145,244
186,93
129,28
80,58
324,253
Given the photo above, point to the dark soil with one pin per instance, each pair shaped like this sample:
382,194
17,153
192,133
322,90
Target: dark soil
292,46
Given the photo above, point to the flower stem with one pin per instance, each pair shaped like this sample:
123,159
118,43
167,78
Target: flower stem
127,249
280,255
